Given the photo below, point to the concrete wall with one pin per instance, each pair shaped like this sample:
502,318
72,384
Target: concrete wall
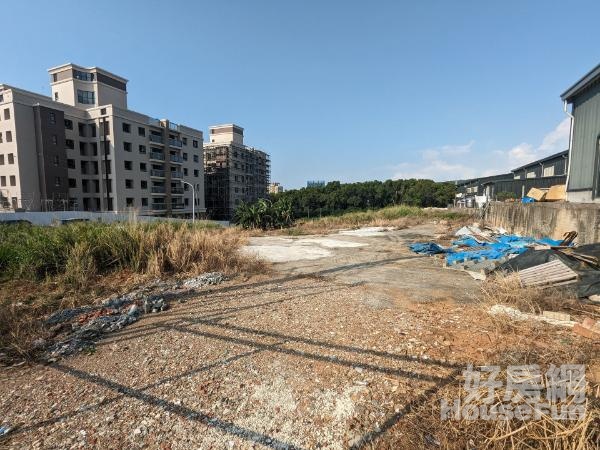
50,218
548,219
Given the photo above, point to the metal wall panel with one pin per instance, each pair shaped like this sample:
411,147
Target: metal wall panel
586,110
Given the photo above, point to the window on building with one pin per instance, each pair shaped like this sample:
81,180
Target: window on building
2,181
54,139
81,127
68,124
129,202
86,97
13,180
94,146
106,127
9,136
185,171
128,184
144,184
70,144
141,131
126,127
84,167
196,158
92,129
128,165
196,173
52,118
6,114
95,167
96,186
144,202
83,76
549,171
72,183
70,163
57,181
185,156
56,96
184,140
142,149
531,174
1,137
83,149
127,146
195,143
1,98
1,160
56,160
142,167
11,158
186,201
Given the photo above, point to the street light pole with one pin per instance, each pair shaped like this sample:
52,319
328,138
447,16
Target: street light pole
193,200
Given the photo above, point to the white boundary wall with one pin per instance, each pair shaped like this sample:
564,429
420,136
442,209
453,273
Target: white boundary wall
56,217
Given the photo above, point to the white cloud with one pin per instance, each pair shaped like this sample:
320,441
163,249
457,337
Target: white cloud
451,162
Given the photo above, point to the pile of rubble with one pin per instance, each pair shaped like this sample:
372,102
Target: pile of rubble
538,262
542,263
76,329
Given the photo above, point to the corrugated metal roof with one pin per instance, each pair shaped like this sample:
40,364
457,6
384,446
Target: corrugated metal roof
590,77
547,158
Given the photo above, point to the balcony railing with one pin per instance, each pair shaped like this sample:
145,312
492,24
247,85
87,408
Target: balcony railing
159,190
175,143
176,159
177,206
155,138
159,206
157,156
176,174
157,173
177,190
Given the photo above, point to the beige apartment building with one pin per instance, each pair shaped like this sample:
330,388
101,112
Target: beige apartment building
82,149
234,172
275,188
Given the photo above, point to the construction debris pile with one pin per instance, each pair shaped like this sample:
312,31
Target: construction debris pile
538,262
76,329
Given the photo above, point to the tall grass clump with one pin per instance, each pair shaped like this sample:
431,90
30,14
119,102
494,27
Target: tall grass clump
78,252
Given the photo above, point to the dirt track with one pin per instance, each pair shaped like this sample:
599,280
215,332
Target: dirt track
326,352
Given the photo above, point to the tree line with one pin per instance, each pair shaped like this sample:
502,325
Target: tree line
336,198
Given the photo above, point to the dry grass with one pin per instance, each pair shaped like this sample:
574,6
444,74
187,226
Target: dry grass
512,343
103,260
393,216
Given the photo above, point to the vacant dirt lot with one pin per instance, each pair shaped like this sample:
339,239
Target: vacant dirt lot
328,352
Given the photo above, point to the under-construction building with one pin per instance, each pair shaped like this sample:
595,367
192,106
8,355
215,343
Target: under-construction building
233,172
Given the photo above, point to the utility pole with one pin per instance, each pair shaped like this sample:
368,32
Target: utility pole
193,200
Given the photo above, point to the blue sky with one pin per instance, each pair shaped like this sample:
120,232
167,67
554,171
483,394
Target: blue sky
333,90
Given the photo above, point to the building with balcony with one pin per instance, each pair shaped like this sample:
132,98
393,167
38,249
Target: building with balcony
83,149
233,172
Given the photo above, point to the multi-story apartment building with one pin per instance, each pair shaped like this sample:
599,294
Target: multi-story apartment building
82,149
234,172
275,188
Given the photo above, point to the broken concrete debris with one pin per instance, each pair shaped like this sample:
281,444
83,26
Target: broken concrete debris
85,325
589,328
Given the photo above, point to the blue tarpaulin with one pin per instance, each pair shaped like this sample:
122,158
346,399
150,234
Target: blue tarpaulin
503,246
428,248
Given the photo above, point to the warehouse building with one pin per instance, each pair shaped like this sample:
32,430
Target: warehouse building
584,168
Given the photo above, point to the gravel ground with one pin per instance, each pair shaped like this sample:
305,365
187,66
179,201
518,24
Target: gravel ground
291,360
299,363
